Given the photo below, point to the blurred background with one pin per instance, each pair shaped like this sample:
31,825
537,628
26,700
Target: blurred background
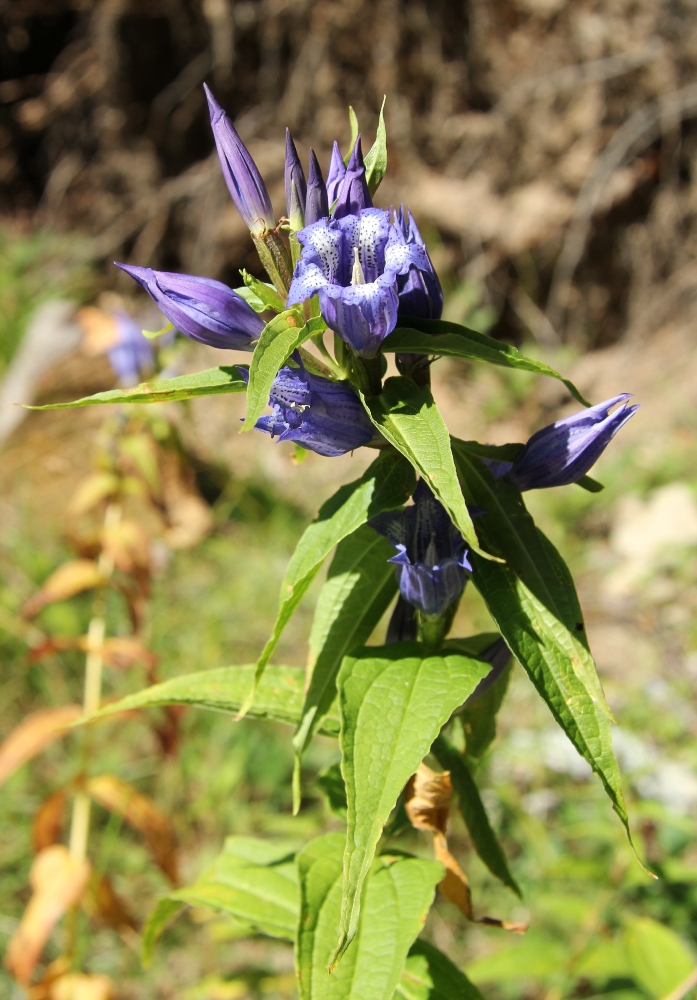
548,151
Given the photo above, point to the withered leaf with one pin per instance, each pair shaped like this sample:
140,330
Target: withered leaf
58,881
142,814
48,822
103,902
69,579
35,732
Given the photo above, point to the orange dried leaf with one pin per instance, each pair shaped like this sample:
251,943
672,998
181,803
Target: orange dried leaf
33,734
142,814
103,902
100,329
58,881
48,823
128,545
78,986
92,491
124,652
69,579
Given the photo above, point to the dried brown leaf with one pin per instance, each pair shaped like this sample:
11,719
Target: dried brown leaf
188,516
427,803
69,579
124,652
128,545
142,814
103,902
58,881
48,822
92,491
33,734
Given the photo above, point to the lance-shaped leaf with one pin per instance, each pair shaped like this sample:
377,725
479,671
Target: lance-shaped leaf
211,382
142,814
398,894
360,585
376,160
410,420
224,689
394,700
260,295
385,485
438,336
278,340
34,733
534,603
430,975
68,580
484,839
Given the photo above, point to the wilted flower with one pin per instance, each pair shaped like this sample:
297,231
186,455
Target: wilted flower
431,558
563,452
204,309
353,194
353,263
131,354
317,202
420,292
317,413
336,174
245,184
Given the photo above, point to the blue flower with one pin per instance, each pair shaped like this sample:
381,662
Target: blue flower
431,558
353,263
563,452
336,174
317,201
131,354
204,309
295,185
420,292
353,194
321,415
244,182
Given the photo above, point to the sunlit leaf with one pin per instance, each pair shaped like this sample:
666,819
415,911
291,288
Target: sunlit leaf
658,958
437,336
260,295
430,975
394,700
211,382
376,158
398,894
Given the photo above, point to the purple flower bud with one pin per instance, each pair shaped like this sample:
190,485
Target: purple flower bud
353,194
420,293
337,172
294,176
204,309
317,203
131,355
563,452
246,187
317,413
431,559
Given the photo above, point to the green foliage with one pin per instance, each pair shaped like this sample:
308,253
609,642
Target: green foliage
430,975
211,382
260,295
393,700
376,160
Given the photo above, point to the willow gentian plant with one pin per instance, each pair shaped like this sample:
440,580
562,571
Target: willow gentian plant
350,285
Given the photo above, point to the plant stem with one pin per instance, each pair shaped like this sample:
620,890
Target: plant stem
94,663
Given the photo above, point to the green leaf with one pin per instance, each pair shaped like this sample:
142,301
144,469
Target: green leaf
658,958
331,783
386,484
278,340
484,839
534,603
430,975
279,696
398,894
394,700
360,585
437,336
260,295
353,121
376,160
166,912
592,485
410,420
211,382
479,719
